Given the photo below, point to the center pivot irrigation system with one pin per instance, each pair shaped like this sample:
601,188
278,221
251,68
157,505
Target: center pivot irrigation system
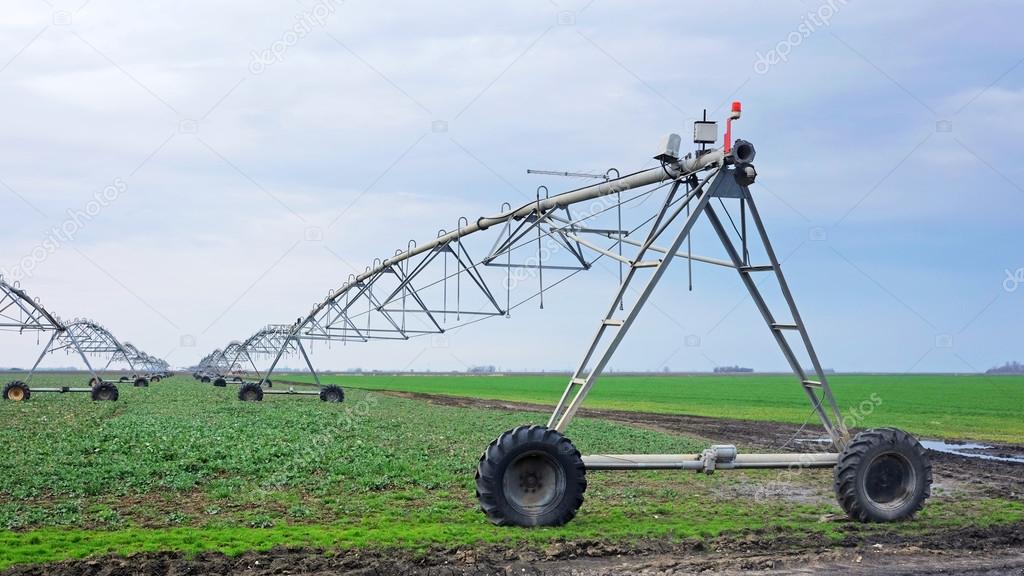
86,338
639,223
232,363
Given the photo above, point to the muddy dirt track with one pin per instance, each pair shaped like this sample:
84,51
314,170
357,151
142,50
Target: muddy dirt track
973,551
985,477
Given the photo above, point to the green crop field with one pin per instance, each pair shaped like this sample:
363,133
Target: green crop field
932,406
186,466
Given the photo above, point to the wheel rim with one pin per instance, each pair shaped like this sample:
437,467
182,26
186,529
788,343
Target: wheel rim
534,483
889,481
250,395
332,396
16,394
105,394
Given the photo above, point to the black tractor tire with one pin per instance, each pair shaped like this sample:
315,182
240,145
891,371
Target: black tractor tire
268,384
220,383
94,381
332,393
141,383
17,391
883,475
154,379
105,392
238,379
123,379
250,393
205,379
531,476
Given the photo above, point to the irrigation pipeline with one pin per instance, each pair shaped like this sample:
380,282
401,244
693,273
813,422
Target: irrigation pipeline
672,172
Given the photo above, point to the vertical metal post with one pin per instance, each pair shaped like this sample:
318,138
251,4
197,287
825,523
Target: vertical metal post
540,262
743,231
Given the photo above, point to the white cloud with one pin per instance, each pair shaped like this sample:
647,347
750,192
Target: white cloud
313,132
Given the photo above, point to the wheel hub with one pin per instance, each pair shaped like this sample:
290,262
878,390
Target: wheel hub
889,480
534,483
530,482
16,394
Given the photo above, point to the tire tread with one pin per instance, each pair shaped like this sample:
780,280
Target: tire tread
488,483
852,458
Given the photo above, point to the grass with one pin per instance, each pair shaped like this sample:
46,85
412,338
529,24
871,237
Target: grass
410,533
185,466
932,406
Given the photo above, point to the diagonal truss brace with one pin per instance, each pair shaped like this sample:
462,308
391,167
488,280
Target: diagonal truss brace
720,183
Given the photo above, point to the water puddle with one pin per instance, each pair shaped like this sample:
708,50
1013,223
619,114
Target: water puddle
964,449
968,450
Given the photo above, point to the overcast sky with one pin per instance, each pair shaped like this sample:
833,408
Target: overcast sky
214,166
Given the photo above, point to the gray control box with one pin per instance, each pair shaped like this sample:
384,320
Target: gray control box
705,132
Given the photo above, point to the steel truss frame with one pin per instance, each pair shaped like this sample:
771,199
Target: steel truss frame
86,338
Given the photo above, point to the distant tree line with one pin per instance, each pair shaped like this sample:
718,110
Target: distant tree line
731,369
1008,368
